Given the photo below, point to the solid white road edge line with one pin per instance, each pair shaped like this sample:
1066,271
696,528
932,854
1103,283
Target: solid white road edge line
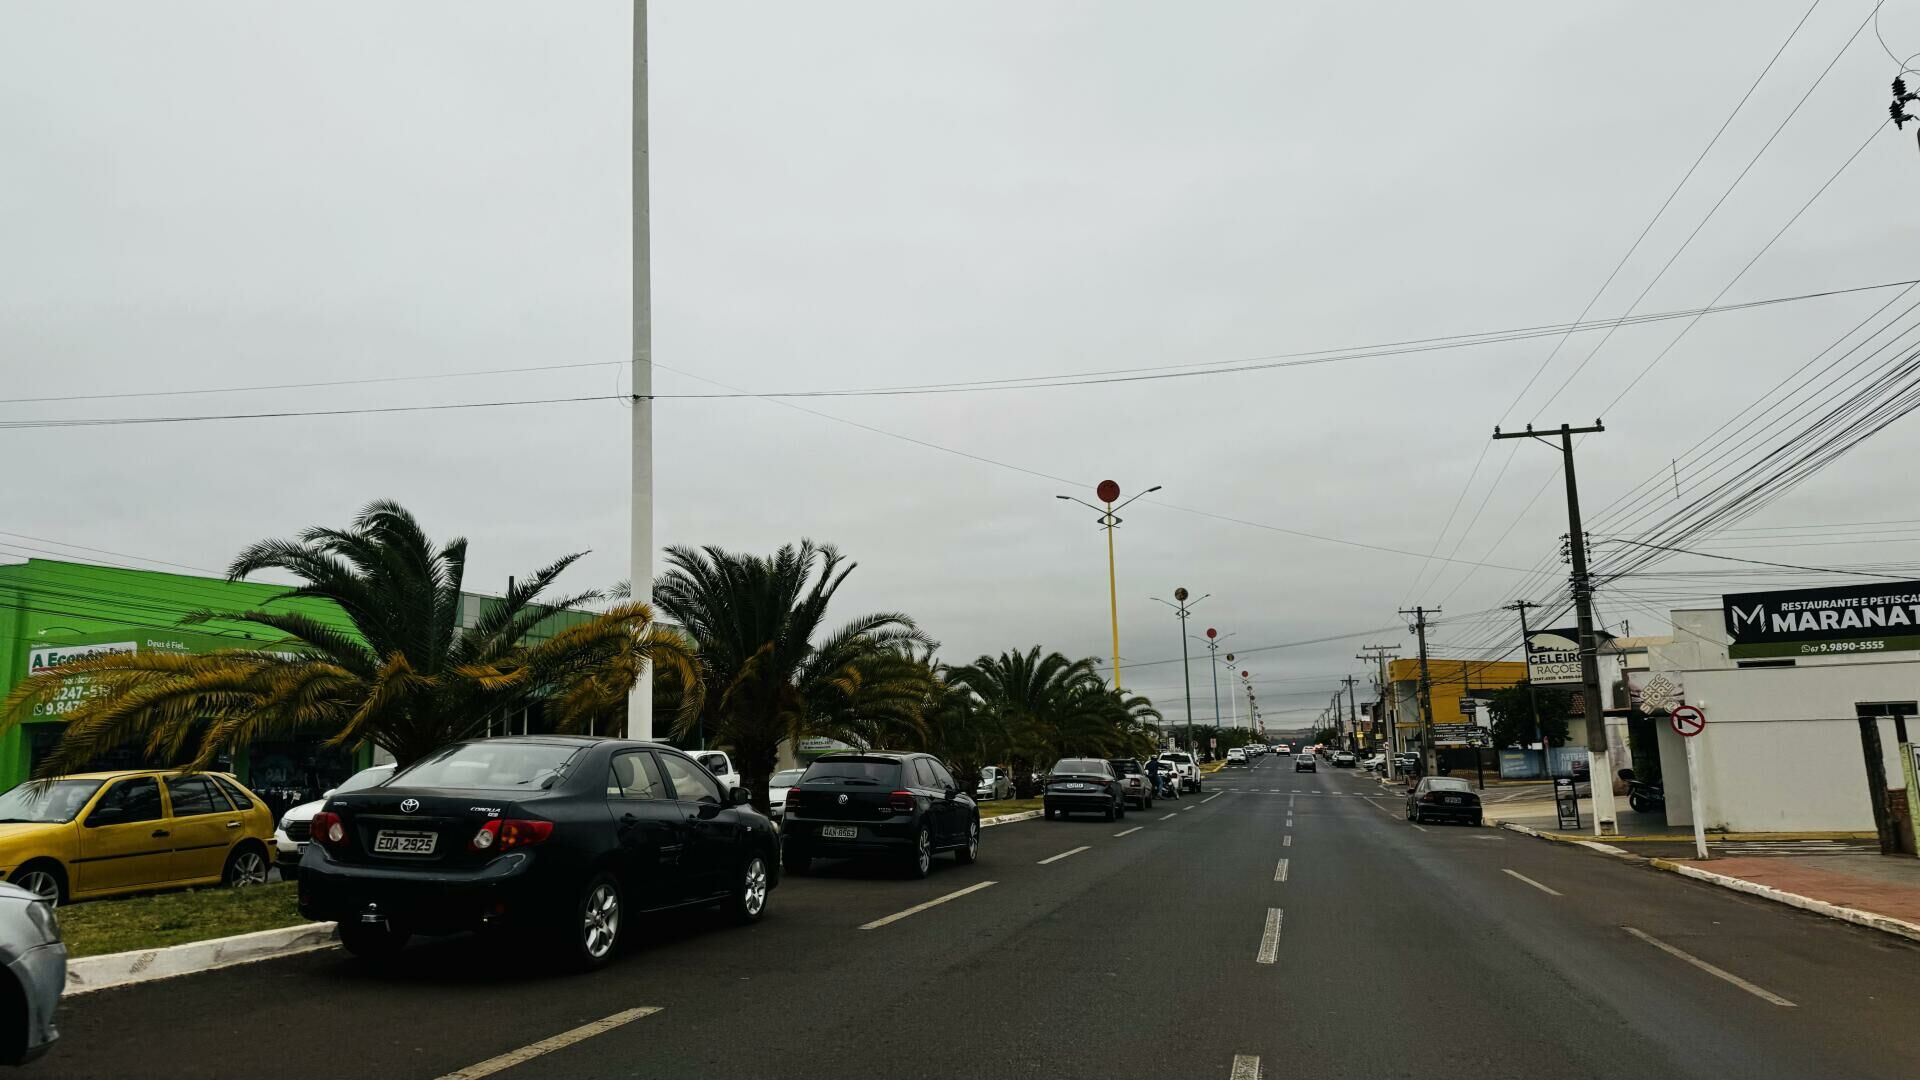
918,908
1270,940
1416,825
1280,872
547,1046
1245,1067
1719,973
1130,832
1530,881
1062,855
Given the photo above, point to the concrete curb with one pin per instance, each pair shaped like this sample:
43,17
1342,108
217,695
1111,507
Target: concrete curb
1563,838
1008,819
92,973
1884,923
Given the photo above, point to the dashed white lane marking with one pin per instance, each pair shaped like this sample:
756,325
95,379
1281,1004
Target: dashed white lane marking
1719,973
1171,816
918,908
1289,802
1130,832
548,1045
1289,823
1209,798
1422,828
1184,809
1530,881
1287,840
1245,1067
1270,939
1274,791
1280,872
1062,855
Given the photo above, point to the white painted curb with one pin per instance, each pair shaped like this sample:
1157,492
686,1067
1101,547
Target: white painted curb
1591,845
1008,819
121,969
1884,923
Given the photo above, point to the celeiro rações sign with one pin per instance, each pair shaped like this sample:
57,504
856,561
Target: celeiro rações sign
1813,622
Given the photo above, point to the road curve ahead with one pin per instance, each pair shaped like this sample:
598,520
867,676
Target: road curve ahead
1280,924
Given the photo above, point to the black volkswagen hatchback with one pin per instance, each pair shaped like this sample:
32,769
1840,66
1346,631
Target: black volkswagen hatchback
879,802
564,836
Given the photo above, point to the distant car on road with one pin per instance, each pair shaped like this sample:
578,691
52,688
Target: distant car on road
1236,756
777,787
35,961
1283,750
1344,759
1133,779
994,784
1184,765
1443,798
1374,763
903,806
1083,785
1305,763
562,837
107,833
1406,762
291,834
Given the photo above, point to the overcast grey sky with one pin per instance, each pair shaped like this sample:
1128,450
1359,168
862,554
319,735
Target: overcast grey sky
856,194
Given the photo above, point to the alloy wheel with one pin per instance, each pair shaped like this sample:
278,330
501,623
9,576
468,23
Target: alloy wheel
42,884
755,896
601,922
249,868
973,841
924,855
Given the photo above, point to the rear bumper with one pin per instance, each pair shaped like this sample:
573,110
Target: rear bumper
1442,812
1082,802
507,890
873,837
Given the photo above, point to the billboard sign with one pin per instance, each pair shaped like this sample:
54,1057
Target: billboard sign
1553,657
1843,619
42,659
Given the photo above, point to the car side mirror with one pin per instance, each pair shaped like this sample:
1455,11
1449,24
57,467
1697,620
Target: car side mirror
739,797
952,794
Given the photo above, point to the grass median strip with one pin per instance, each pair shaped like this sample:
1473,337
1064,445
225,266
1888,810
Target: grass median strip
1003,807
98,927
918,908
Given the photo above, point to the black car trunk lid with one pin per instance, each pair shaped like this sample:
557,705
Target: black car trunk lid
399,827
835,798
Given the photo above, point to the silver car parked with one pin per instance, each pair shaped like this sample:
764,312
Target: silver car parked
36,959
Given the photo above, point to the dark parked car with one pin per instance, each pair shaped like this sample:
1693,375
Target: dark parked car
1305,763
1135,788
1443,798
564,836
899,805
1086,785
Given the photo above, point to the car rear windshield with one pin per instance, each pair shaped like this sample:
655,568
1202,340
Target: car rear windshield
787,777
366,778
861,771
1079,765
1127,765
1180,758
495,764
1448,783
59,801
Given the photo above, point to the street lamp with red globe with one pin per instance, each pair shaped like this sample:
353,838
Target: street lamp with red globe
1107,491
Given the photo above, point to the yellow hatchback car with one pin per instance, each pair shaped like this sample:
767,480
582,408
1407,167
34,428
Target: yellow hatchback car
101,834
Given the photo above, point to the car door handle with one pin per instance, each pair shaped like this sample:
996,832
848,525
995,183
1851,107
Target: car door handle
233,824
628,820
158,833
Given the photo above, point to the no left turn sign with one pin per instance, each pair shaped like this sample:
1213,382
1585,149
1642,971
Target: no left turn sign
1688,720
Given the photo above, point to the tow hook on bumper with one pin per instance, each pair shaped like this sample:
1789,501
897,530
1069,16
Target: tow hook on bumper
371,916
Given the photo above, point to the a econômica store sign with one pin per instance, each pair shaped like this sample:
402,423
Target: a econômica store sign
44,658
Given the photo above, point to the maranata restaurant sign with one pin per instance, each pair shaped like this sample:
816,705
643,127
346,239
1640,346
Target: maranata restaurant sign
1814,622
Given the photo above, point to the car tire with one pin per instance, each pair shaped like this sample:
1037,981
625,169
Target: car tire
794,858
44,878
1149,803
376,942
592,935
246,865
969,853
920,859
751,888
1419,817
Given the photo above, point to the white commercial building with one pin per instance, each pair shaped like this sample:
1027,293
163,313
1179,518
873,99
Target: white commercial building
1783,745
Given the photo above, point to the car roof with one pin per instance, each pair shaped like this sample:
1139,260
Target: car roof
896,755
116,774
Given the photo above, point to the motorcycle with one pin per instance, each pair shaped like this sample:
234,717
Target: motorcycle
1642,795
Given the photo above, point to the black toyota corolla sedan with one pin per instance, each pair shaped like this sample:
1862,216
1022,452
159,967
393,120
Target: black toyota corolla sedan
564,836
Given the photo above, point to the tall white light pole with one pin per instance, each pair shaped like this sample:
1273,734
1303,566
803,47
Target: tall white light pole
640,700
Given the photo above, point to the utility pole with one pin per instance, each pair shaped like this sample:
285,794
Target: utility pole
1600,769
1419,627
640,497
1533,699
1390,739
1353,711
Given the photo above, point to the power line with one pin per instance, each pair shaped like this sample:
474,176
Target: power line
117,421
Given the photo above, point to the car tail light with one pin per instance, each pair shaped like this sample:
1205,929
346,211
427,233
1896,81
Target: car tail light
328,828
507,834
901,802
1431,796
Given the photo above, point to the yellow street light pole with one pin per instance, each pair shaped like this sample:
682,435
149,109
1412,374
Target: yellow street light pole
1107,492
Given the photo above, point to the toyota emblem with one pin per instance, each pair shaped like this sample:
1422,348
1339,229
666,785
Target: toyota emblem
408,806
843,800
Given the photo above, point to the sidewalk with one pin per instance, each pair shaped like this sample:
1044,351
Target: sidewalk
1873,890
1541,816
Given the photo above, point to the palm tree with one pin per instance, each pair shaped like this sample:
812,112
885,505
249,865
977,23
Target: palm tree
772,672
409,680
1051,707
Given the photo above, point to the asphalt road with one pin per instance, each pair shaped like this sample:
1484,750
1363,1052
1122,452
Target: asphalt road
1174,945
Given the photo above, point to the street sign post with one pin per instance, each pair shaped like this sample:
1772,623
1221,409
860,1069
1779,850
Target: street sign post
1566,802
1688,721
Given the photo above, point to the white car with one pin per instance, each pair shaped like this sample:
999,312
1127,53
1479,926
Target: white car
777,789
291,831
1344,759
720,765
1236,756
1374,763
1184,767
994,784
1283,750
